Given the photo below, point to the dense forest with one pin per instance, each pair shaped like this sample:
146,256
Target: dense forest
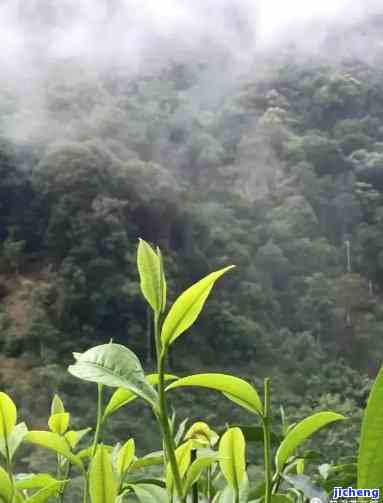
278,171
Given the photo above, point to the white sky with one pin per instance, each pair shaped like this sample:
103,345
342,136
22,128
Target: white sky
275,17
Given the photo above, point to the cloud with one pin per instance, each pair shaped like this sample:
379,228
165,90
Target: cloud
43,41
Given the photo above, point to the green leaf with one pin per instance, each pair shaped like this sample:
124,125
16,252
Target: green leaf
370,456
152,278
102,484
195,470
15,439
303,483
281,498
163,286
116,366
58,423
187,307
122,397
31,481
301,432
300,466
57,406
202,434
5,486
232,452
237,390
74,437
150,493
229,494
8,415
183,457
258,491
88,452
53,442
46,493
151,459
125,456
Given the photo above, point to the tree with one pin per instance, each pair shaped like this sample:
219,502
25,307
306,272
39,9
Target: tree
13,251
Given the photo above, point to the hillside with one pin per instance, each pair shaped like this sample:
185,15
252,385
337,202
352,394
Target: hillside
279,172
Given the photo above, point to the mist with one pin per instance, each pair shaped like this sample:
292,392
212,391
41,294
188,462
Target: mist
47,43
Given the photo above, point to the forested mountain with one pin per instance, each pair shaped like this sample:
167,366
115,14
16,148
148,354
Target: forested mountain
277,168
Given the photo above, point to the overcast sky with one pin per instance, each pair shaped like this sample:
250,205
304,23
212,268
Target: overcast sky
101,29
101,33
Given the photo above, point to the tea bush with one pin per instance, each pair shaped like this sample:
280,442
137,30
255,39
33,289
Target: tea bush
196,463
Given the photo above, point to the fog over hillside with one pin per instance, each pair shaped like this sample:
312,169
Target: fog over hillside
246,132
45,43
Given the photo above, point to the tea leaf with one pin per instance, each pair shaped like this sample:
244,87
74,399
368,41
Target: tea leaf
281,498
187,307
151,459
183,457
232,461
163,286
15,439
53,442
102,484
304,484
116,366
34,481
202,433
74,437
8,415
196,468
370,457
46,493
229,494
57,406
150,493
58,423
125,456
150,268
5,486
123,396
234,388
301,432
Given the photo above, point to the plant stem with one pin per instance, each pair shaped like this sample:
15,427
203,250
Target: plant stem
209,475
85,495
99,420
163,416
195,485
157,340
266,441
9,469
66,476
96,438
168,436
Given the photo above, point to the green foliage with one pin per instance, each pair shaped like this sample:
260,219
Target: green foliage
370,458
300,432
235,389
102,484
274,175
53,442
233,457
12,252
113,365
8,416
190,464
153,283
187,307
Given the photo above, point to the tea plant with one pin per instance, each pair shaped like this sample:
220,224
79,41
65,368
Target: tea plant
197,465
